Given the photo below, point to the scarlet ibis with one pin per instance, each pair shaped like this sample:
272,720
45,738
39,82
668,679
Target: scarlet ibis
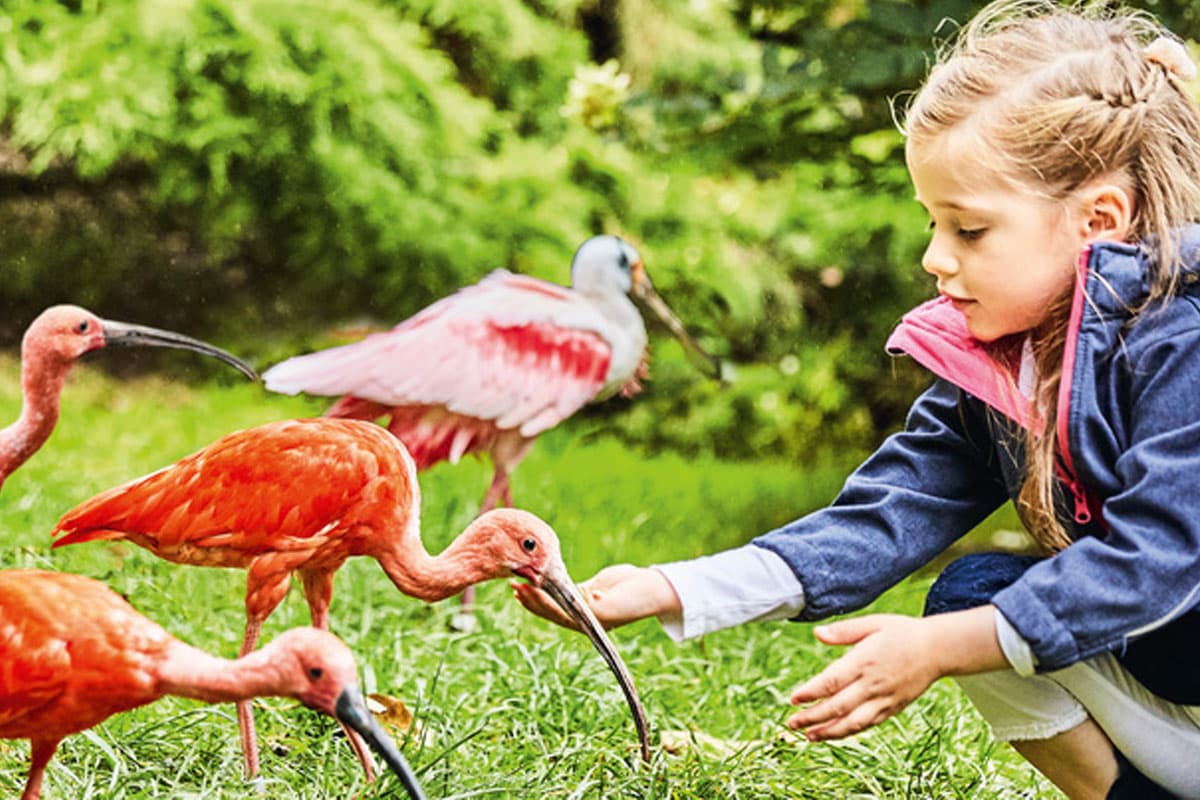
51,344
73,653
495,364
303,496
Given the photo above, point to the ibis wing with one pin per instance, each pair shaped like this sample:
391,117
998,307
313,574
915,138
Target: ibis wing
35,664
513,350
253,491
72,652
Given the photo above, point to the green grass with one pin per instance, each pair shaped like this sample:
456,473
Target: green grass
518,709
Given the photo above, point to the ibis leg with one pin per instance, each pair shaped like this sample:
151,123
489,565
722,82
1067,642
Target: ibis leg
40,753
245,711
318,592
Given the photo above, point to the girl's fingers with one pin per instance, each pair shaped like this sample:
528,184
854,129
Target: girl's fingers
835,705
844,670
886,669
536,601
816,715
825,683
850,631
861,718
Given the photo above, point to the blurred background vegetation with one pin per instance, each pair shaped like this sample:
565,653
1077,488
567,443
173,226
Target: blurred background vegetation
279,175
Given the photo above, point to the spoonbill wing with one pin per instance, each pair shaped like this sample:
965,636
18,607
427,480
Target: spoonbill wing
514,350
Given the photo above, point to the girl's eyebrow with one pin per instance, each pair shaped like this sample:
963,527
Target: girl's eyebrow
950,205
954,205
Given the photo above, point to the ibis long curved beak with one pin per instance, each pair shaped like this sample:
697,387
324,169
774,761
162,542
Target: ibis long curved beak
643,290
123,334
351,710
558,584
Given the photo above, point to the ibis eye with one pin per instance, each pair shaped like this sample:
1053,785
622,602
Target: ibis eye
82,327
530,545
315,673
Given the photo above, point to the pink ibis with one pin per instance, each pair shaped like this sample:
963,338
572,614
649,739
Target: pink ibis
52,343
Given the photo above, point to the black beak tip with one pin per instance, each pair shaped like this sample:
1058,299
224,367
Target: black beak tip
351,710
572,605
126,334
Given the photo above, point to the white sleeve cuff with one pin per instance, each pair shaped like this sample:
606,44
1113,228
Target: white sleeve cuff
1020,656
746,584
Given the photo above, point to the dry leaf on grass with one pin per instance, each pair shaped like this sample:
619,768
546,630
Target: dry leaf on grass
392,713
676,742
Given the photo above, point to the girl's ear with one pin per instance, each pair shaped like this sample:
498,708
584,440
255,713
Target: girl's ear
1107,213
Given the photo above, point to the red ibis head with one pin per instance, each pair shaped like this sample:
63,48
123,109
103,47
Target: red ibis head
316,668
64,333
529,548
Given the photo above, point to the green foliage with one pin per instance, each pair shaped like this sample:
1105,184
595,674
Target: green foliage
248,118
518,709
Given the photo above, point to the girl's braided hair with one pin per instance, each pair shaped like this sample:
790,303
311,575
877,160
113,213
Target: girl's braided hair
1060,95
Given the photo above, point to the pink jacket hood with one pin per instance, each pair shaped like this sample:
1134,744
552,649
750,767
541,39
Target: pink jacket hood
935,335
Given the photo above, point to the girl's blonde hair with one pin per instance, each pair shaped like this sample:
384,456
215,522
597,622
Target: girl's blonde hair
1060,95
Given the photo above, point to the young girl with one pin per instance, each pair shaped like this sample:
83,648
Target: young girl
1058,155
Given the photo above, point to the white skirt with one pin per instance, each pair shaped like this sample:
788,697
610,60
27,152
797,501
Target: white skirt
1161,739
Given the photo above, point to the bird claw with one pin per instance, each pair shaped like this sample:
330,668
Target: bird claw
464,622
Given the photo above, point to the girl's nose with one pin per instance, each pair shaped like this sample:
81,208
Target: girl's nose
938,260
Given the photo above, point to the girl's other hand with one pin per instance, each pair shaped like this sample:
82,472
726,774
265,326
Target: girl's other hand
892,663
617,594
894,660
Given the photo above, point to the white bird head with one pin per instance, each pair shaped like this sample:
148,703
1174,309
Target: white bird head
606,264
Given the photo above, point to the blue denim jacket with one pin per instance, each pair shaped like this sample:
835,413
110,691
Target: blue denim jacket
1132,427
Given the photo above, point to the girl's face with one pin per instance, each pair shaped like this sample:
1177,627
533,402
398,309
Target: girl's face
1001,253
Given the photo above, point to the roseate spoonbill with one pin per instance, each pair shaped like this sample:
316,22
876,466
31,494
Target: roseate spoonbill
73,653
51,344
303,496
490,367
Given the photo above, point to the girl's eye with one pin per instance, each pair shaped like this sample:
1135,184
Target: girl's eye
971,234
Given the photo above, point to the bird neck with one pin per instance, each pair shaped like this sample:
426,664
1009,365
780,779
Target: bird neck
42,381
431,578
189,672
624,329
616,304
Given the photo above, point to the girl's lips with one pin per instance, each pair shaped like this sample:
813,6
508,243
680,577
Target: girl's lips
959,303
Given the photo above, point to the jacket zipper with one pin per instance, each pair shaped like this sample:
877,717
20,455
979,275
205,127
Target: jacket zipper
1065,465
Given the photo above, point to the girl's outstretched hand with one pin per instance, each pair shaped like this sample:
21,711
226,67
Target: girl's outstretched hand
890,666
617,594
894,660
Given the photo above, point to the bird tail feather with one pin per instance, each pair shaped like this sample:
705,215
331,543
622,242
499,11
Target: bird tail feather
89,535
